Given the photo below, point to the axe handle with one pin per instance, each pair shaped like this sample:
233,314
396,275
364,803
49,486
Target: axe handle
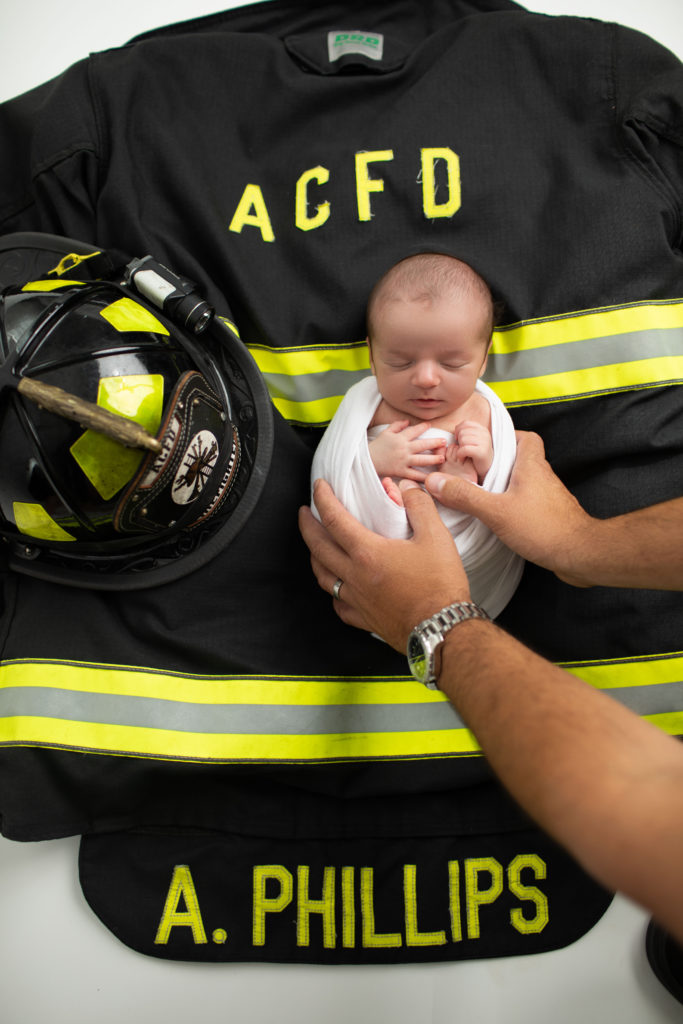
71,407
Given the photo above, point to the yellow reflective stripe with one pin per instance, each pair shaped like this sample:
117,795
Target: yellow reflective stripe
171,745
642,373
306,385
147,713
586,325
296,716
312,413
198,689
671,722
315,359
559,358
638,671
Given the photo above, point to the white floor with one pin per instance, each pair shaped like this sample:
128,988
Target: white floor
59,964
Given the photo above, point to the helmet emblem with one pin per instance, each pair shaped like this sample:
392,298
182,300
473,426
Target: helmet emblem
195,467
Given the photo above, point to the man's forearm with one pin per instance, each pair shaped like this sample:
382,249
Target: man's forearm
605,784
639,549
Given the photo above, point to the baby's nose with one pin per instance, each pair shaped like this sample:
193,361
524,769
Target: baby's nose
426,373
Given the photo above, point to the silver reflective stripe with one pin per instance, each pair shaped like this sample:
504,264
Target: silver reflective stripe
590,352
584,354
260,719
313,386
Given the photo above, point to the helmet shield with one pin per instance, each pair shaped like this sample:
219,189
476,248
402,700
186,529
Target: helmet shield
78,504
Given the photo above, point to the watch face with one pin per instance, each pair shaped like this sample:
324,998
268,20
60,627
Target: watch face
417,658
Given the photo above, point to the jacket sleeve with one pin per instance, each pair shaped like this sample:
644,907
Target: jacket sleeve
649,107
49,158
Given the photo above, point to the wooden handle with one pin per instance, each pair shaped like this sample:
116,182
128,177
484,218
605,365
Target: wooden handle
125,431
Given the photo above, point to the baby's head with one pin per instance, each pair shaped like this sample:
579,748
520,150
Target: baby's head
430,321
427,279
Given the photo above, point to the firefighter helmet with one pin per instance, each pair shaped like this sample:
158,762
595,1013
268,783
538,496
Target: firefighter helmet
135,429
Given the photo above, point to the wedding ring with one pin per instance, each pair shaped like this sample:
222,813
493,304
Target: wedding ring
336,588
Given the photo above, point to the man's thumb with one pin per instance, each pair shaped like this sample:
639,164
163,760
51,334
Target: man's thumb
456,492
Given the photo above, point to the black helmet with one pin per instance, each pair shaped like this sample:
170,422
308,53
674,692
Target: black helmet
135,429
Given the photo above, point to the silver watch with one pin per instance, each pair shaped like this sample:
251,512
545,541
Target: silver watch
429,634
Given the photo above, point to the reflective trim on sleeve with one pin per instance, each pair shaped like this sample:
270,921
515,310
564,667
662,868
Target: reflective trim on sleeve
652,686
145,713
307,384
573,355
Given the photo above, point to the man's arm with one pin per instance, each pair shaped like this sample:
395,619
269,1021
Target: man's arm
604,783
541,520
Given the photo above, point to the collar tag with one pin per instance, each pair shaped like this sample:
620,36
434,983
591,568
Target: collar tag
340,44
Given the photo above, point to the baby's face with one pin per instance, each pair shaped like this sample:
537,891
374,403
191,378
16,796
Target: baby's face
427,355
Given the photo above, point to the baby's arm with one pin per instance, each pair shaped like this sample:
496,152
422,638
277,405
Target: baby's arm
473,442
398,451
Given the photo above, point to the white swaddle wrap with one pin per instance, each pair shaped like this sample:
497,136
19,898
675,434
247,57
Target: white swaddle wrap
343,459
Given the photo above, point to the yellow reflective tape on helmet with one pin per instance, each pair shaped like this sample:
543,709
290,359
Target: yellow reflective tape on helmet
230,325
127,315
34,521
106,463
583,326
48,286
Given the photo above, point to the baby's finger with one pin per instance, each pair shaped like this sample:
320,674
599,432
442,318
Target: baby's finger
427,444
429,458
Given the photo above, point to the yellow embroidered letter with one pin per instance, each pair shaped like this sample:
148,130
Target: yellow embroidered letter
476,897
414,937
365,184
269,904
371,938
528,926
306,906
454,900
348,907
429,188
303,221
252,199
181,885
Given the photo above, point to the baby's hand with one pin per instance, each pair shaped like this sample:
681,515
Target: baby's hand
474,442
398,451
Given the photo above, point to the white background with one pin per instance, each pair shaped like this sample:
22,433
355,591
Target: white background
39,39
58,964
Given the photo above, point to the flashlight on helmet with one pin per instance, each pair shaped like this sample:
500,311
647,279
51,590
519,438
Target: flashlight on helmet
175,295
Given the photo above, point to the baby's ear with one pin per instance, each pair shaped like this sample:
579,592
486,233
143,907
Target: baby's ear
486,358
372,361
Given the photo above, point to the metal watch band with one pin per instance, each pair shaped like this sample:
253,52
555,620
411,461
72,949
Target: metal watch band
432,631
452,614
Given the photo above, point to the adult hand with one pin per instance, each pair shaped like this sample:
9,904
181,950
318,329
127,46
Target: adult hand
536,516
388,585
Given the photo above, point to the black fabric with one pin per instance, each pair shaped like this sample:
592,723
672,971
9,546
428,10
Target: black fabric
569,134
665,957
235,897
